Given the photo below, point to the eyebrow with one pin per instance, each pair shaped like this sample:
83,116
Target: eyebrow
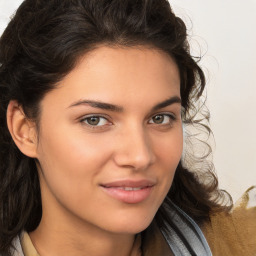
116,108
98,104
168,102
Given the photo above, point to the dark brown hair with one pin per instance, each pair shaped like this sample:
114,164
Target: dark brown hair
42,44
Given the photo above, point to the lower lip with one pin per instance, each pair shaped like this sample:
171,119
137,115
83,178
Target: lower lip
129,196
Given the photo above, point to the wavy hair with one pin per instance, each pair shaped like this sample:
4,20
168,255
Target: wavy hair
42,44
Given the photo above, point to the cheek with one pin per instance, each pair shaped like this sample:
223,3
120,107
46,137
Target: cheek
168,151
69,148
71,163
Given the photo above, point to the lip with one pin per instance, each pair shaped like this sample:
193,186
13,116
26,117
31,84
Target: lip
129,191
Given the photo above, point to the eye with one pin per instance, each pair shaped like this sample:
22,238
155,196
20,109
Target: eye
162,119
95,121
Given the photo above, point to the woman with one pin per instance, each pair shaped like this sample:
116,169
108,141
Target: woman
96,94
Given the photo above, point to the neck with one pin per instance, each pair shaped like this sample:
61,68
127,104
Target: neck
50,239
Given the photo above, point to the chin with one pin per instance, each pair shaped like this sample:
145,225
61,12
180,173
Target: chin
132,229
131,224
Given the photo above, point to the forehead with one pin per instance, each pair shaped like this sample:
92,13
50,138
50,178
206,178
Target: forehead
120,76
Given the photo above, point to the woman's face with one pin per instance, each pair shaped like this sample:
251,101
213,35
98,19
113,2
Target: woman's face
110,140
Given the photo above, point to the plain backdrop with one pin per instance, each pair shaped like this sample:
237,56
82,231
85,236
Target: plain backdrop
223,31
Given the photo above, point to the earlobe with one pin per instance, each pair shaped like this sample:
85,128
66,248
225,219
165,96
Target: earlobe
22,130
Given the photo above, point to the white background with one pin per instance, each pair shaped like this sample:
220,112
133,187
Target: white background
225,32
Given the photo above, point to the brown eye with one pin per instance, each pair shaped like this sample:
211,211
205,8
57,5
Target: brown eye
158,119
95,121
162,119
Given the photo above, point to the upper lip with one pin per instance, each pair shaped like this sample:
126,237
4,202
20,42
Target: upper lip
129,183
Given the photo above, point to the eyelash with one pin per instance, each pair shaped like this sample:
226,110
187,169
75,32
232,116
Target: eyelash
171,117
85,121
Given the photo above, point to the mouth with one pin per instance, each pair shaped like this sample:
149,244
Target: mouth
129,188
127,191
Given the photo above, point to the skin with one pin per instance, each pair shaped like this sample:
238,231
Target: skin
132,142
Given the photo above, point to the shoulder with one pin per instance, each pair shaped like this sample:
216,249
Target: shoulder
234,233
17,245
16,249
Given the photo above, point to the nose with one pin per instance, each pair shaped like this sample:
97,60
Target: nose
134,149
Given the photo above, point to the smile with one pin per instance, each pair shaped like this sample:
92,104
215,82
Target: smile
129,189
131,192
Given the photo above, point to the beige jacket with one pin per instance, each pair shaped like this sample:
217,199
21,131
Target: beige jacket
234,234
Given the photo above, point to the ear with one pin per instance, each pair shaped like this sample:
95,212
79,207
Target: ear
22,130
